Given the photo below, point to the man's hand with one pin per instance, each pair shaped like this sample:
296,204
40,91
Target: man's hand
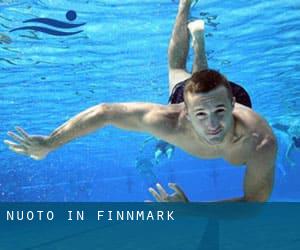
163,196
33,146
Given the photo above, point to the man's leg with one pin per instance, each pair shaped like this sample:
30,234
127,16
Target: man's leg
196,29
179,46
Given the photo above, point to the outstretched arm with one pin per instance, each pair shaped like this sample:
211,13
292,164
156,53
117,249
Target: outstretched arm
145,117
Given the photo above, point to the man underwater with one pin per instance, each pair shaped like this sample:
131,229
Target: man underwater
208,117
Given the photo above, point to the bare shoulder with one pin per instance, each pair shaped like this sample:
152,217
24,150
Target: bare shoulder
253,126
166,118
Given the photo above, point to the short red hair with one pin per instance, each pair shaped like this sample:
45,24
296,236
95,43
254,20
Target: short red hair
205,81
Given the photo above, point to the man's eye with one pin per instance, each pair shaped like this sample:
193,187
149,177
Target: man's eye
220,111
201,114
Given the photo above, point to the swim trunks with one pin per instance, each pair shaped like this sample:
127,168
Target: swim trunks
240,94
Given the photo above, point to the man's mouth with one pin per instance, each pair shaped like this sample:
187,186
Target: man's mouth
215,131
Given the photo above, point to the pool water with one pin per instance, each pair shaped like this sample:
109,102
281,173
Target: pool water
120,56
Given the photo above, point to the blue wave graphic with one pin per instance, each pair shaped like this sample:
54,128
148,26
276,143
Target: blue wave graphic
47,30
54,23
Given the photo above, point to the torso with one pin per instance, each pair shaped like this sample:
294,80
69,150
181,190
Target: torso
249,131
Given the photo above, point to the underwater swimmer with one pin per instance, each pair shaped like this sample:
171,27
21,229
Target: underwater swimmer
161,149
208,124
293,131
145,169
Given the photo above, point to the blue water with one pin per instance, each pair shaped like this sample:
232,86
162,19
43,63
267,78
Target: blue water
120,56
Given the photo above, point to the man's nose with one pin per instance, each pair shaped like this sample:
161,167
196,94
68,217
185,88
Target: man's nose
213,123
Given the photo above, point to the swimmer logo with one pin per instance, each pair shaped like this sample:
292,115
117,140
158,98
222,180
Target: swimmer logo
70,15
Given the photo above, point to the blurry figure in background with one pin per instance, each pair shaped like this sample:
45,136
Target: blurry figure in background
283,144
292,131
162,149
146,159
145,169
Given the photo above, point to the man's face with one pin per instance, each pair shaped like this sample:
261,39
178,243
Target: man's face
210,114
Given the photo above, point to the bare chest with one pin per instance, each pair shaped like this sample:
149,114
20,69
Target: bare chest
238,153
235,153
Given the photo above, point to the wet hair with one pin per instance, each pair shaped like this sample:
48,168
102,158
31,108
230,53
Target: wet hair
296,141
205,81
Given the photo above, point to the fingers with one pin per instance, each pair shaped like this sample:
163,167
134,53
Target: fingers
155,194
23,133
11,144
20,149
35,157
16,137
162,192
177,189
23,138
161,195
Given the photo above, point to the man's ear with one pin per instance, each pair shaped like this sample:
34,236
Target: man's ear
233,101
186,113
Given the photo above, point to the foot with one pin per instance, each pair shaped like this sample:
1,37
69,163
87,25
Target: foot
190,2
158,155
196,29
196,26
187,3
